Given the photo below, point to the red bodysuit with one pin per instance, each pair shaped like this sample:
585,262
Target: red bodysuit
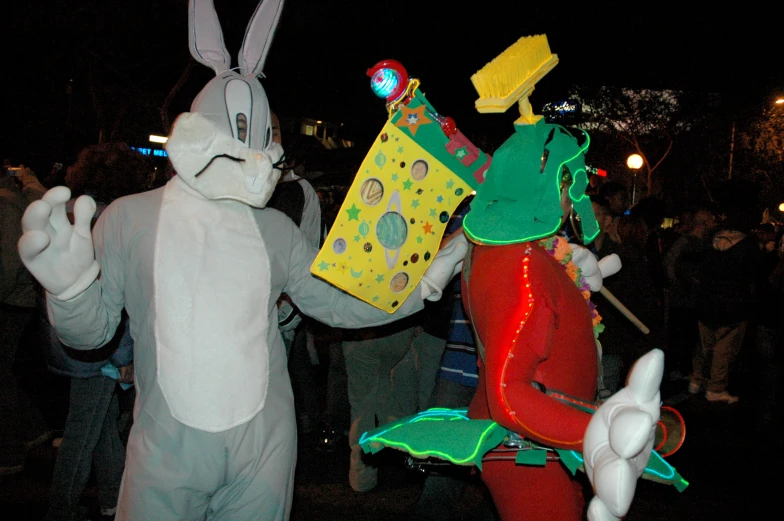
534,325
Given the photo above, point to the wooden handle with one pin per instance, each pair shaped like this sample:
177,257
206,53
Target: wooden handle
623,309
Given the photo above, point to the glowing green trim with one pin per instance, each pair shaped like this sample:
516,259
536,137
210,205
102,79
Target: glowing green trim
589,239
475,238
582,195
419,454
671,475
657,468
583,149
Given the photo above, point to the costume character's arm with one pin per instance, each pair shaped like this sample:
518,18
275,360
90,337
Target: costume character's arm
327,303
514,401
517,334
89,320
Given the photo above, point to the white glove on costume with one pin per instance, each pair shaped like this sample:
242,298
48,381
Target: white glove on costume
619,439
447,263
59,255
594,271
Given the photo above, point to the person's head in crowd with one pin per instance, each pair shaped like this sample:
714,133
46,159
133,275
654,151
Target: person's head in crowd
633,230
766,236
738,201
109,171
616,194
739,219
601,209
603,212
651,210
702,222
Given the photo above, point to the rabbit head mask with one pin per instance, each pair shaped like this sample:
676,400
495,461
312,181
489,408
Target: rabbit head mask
223,147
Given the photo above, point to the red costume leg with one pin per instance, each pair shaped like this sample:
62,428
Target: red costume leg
527,493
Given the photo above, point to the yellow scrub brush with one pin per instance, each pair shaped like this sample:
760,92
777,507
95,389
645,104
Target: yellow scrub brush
511,76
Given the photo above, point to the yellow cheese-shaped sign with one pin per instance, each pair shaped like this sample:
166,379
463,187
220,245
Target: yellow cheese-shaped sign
391,223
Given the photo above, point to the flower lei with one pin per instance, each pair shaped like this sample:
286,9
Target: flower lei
559,249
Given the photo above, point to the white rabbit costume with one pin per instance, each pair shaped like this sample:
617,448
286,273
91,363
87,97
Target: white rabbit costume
199,265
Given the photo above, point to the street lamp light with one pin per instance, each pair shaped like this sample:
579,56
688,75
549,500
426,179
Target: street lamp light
781,207
634,162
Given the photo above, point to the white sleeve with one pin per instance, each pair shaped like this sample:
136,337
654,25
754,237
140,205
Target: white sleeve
89,320
310,223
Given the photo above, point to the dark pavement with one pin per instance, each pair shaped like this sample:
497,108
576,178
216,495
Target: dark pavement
731,462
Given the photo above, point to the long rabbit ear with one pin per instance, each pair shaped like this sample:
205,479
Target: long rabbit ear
205,37
258,36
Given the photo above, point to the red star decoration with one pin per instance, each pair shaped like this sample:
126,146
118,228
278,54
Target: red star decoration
412,118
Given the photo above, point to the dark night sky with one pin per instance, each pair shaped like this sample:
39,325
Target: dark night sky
316,66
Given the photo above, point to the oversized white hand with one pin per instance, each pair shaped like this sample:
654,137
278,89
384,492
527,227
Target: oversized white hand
619,439
447,263
594,271
59,255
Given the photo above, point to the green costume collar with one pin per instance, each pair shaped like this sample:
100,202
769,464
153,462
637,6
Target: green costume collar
520,199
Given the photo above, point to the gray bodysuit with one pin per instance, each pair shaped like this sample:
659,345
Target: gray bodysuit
174,471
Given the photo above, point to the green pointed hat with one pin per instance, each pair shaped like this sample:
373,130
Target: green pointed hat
520,199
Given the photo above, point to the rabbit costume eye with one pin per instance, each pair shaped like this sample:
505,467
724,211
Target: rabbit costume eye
230,117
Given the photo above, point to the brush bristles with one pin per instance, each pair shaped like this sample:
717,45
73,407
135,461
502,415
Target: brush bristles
512,67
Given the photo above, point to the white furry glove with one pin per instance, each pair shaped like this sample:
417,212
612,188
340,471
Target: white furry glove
619,439
59,255
594,271
447,263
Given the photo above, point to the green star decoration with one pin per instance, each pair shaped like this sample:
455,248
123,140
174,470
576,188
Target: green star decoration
450,184
415,203
407,184
375,298
440,199
399,150
380,278
353,212
432,212
419,239
356,238
460,153
323,266
394,177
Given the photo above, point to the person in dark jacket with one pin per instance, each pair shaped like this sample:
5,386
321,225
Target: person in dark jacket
726,299
22,424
